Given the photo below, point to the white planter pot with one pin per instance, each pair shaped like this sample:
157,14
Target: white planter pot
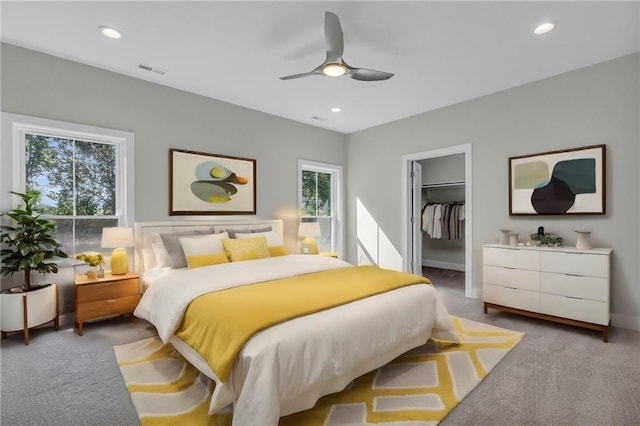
22,311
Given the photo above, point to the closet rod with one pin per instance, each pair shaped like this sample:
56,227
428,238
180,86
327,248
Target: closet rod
443,184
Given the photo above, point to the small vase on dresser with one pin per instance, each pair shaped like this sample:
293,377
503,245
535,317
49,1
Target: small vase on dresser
584,240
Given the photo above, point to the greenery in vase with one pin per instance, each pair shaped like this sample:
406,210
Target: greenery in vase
30,243
93,259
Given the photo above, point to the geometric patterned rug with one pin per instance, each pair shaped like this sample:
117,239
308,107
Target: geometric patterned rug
418,388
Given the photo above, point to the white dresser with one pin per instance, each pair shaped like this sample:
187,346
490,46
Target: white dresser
564,284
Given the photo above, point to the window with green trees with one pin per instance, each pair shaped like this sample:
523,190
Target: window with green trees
320,202
77,182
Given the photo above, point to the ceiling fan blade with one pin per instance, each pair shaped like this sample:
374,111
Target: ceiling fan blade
333,37
304,74
364,74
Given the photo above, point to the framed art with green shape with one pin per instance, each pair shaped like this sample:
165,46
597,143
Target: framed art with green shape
210,184
563,182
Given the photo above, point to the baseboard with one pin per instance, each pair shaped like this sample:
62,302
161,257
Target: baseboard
443,265
625,321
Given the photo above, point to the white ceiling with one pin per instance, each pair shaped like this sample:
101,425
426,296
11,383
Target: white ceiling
441,52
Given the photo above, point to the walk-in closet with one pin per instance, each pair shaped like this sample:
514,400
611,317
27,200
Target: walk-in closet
443,216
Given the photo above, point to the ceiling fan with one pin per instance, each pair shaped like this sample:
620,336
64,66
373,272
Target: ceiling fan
334,65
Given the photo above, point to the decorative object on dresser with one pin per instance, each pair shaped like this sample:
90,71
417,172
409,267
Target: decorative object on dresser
504,236
28,246
105,297
584,240
119,239
204,184
564,285
569,181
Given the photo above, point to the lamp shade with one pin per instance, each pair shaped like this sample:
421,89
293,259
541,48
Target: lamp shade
118,238
309,229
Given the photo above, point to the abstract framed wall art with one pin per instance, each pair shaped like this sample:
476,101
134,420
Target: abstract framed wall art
570,181
210,184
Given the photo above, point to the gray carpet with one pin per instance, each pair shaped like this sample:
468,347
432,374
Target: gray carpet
557,375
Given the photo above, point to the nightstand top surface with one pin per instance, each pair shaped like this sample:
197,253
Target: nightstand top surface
81,279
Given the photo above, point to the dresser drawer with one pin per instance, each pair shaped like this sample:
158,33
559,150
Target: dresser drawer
107,290
511,258
105,308
578,309
584,287
512,297
510,277
593,265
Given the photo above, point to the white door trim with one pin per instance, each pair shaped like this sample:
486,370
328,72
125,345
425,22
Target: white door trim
407,227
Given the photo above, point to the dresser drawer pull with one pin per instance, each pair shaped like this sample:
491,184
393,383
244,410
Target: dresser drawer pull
572,297
111,300
511,288
574,275
509,267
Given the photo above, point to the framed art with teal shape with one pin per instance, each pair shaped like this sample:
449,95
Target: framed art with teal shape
569,181
210,184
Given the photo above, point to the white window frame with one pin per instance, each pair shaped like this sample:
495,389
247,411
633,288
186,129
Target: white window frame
337,198
15,127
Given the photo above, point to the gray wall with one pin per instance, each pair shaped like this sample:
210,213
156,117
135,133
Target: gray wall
45,86
594,105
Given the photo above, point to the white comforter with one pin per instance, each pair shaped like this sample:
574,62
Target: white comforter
286,368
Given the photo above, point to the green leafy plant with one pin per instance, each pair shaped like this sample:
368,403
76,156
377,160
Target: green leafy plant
30,243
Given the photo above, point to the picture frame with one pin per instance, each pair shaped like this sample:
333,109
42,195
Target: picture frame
563,182
202,183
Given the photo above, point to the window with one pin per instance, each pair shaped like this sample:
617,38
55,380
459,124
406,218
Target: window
80,172
320,201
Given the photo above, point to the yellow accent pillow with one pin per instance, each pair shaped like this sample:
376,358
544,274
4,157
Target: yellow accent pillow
204,250
275,251
246,249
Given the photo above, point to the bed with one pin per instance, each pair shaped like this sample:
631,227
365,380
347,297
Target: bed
286,367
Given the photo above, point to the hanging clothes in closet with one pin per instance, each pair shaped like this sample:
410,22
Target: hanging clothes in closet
444,220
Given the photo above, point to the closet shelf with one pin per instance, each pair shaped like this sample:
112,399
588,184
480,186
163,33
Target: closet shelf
443,184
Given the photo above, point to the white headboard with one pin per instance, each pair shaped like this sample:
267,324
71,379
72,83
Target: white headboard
143,230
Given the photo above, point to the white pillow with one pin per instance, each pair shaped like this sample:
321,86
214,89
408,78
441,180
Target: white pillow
272,238
148,259
161,255
204,250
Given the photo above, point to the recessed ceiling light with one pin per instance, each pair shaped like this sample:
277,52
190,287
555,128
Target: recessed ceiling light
543,28
335,109
110,32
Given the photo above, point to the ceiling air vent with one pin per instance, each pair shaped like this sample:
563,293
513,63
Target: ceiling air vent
319,118
150,68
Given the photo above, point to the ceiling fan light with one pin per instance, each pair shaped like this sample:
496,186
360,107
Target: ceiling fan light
334,70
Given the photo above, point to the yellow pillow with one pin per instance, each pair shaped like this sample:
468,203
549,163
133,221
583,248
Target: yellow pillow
275,251
204,250
246,249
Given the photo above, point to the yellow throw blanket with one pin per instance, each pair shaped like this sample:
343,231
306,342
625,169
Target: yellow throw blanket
218,324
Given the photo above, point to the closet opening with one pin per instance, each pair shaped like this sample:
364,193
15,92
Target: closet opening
437,216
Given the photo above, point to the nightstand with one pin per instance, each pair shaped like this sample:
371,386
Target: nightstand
105,297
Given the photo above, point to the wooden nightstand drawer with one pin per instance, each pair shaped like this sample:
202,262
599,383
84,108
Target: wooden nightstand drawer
107,290
108,307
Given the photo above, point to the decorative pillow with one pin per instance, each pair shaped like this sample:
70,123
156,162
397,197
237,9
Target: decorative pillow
204,250
161,256
265,229
148,259
232,232
246,249
174,248
274,242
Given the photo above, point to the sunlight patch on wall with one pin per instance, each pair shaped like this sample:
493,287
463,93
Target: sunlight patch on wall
374,247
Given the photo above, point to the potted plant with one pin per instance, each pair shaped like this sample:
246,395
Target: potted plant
28,245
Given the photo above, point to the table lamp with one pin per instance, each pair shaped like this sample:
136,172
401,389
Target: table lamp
118,238
308,231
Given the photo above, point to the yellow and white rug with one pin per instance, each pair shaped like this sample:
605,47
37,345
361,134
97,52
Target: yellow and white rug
418,388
